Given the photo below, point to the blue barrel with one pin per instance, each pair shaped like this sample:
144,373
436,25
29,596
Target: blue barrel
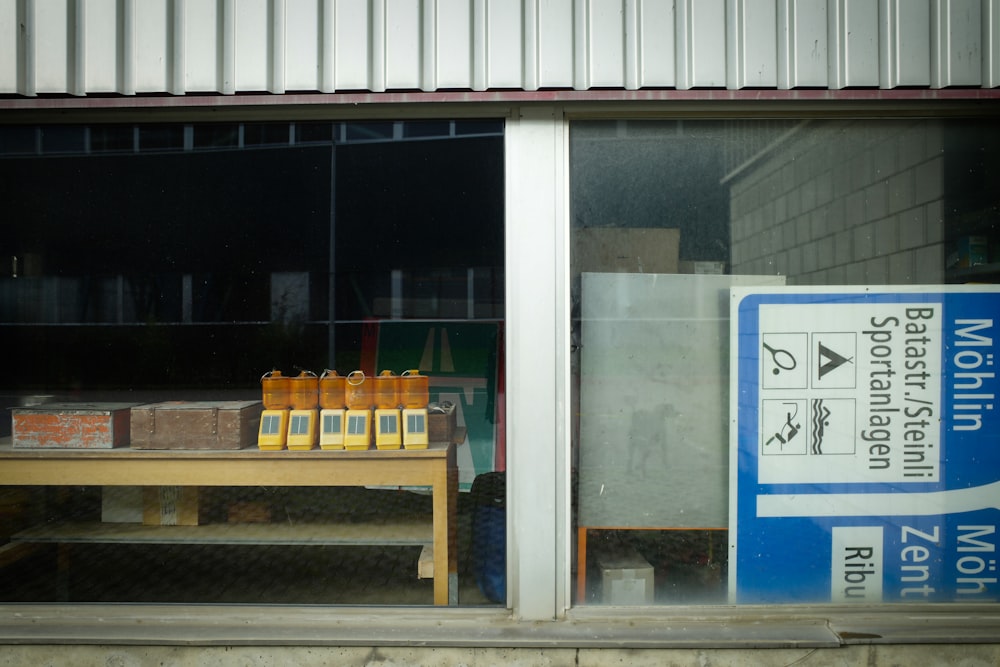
489,535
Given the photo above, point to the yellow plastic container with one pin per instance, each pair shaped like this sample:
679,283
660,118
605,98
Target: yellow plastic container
358,391
277,391
413,389
331,390
304,391
386,386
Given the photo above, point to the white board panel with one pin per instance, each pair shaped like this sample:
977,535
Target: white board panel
654,399
153,59
303,27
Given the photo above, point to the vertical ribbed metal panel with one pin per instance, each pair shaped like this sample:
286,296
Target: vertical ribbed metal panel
402,34
152,29
956,36
506,37
550,24
853,43
991,43
51,23
700,34
904,43
601,46
752,44
9,40
802,49
354,52
193,46
657,48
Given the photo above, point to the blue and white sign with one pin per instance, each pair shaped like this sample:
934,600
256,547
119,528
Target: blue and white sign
865,453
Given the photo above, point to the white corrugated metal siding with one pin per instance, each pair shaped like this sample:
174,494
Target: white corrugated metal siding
132,47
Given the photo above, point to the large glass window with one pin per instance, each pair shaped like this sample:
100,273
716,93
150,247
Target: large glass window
185,265
783,386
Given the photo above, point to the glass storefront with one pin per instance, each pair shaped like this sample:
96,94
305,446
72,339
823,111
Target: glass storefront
157,264
767,402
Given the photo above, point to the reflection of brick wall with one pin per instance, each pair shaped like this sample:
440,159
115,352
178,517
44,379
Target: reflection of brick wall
850,202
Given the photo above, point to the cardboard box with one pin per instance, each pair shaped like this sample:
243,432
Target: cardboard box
71,425
626,250
196,425
626,579
170,505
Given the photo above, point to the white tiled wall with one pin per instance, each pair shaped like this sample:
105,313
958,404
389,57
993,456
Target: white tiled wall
844,203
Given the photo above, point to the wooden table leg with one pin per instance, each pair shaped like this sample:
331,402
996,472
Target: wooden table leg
445,492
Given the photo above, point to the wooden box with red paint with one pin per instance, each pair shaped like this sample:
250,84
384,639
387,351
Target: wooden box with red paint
72,426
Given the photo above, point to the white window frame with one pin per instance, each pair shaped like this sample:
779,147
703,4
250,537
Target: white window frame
539,521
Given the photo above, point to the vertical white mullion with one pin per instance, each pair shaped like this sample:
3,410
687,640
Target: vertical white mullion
536,257
178,55
328,52
277,47
126,48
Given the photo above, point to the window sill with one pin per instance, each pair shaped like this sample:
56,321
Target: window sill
606,627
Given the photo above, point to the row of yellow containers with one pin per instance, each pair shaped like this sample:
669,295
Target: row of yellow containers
354,391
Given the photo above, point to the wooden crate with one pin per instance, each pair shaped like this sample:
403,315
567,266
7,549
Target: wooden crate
441,426
196,425
71,426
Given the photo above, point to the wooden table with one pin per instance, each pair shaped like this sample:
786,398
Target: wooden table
435,467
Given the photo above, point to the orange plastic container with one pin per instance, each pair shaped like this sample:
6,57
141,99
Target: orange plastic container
277,391
331,390
413,389
386,386
305,391
358,391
